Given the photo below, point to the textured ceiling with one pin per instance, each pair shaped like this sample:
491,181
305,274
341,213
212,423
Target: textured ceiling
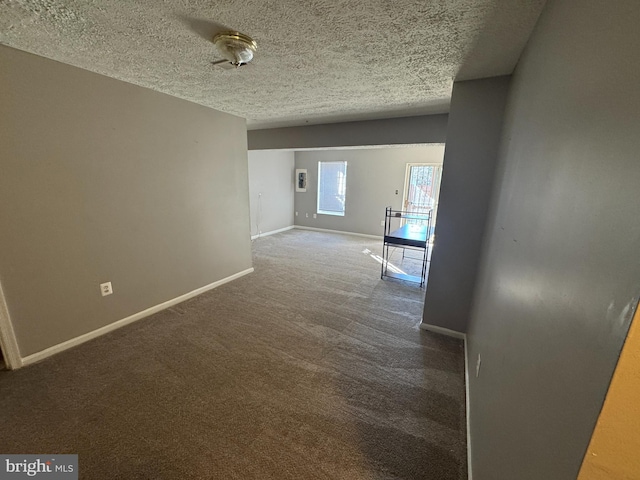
318,61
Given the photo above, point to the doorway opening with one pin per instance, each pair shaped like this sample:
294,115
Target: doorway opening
421,192
416,222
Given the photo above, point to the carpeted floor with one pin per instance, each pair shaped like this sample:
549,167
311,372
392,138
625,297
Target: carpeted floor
309,368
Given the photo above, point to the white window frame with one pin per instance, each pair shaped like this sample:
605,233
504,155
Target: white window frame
342,187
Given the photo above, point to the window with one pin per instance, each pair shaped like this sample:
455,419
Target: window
332,187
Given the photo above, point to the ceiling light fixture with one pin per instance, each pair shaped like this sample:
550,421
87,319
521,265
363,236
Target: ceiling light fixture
236,48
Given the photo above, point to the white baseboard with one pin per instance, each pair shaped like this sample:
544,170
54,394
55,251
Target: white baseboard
301,227
272,232
463,337
36,357
8,343
467,408
442,331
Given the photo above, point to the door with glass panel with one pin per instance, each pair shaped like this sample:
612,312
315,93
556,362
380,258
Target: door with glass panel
421,191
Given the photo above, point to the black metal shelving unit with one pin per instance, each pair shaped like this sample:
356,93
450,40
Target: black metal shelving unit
406,230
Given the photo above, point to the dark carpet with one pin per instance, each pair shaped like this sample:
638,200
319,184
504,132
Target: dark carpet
310,368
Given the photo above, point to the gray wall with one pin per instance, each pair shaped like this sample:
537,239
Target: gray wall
271,190
373,176
560,276
105,181
470,158
392,131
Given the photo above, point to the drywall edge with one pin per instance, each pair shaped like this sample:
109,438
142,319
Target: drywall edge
391,131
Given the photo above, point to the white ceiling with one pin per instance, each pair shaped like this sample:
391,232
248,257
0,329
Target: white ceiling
318,61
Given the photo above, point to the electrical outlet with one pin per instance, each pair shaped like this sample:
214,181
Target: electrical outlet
106,289
306,215
296,214
478,365
315,216
382,223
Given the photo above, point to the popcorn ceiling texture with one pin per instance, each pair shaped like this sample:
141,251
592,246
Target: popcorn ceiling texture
317,60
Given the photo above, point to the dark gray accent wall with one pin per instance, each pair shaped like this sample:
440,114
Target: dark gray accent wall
103,181
560,273
470,158
374,175
391,131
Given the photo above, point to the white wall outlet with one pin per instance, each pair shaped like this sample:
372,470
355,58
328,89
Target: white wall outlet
106,289
306,215
382,223
296,214
478,365
315,216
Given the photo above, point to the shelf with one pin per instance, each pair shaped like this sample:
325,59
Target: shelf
409,235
